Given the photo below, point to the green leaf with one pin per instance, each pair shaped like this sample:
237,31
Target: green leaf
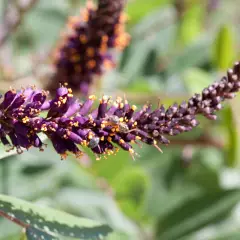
197,213
194,55
223,48
191,24
131,186
35,234
232,236
232,149
196,79
140,8
137,58
51,221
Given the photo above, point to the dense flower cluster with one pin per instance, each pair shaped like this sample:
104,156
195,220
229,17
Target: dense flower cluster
85,52
70,124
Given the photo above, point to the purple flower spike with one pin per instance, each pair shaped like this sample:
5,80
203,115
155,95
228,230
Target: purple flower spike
70,124
85,53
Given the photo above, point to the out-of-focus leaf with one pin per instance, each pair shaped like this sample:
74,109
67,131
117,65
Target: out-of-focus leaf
96,205
137,58
110,167
52,221
154,23
224,48
151,63
196,79
141,85
232,148
205,168
231,236
191,24
193,55
130,187
139,8
196,214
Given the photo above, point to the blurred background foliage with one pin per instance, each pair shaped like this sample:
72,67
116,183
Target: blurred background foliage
192,190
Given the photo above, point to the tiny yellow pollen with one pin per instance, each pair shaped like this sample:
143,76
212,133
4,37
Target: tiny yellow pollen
63,156
83,39
131,150
92,97
121,141
90,52
75,58
134,108
121,119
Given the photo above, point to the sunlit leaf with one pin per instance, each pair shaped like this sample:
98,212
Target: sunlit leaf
232,149
224,48
191,23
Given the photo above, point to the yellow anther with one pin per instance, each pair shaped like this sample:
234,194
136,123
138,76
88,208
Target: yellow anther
75,58
102,138
64,100
105,38
121,141
91,64
131,151
63,156
25,119
90,52
92,97
134,108
83,39
105,98
121,119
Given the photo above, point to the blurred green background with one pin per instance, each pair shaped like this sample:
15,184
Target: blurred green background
192,190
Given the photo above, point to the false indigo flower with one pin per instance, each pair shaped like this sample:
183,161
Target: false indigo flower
85,52
70,124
